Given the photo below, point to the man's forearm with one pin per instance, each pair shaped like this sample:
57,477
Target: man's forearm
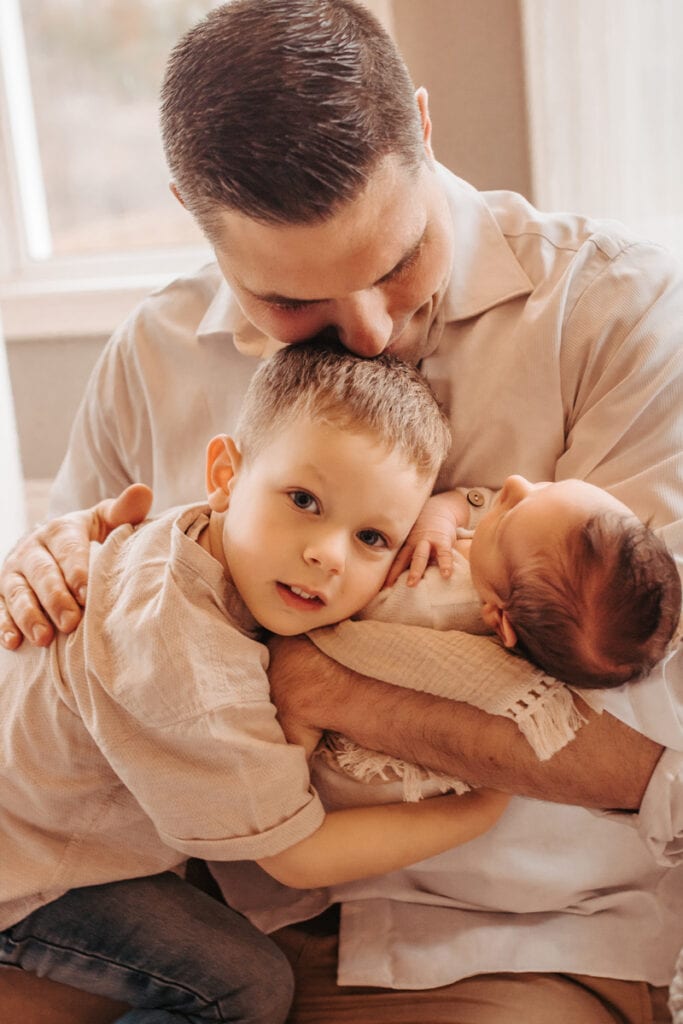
607,765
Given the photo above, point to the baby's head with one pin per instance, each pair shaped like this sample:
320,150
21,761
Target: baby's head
576,582
332,460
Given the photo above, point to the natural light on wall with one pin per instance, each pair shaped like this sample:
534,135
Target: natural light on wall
605,88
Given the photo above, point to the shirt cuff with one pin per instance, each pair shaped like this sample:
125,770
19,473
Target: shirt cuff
660,819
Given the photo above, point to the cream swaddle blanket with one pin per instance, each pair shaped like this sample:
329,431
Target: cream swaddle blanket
429,656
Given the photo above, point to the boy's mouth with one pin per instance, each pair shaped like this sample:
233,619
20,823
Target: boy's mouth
300,597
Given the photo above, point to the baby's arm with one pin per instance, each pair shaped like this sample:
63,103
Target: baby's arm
433,535
360,841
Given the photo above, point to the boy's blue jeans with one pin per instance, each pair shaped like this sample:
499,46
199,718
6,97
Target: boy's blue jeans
166,948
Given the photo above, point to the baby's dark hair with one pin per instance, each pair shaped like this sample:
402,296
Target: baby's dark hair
604,610
384,397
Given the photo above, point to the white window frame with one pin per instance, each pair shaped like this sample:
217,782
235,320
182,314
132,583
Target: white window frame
57,297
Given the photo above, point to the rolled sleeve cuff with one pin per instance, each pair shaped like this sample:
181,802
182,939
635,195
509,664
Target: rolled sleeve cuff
660,819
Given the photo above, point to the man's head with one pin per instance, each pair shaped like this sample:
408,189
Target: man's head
294,136
576,582
333,458
282,109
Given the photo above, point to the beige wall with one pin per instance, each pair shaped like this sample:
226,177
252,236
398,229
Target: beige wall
468,53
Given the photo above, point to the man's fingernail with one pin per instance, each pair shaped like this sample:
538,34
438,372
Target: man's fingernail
40,634
9,638
81,594
68,621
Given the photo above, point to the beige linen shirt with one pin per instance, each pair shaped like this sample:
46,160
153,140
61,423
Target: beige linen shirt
561,355
147,736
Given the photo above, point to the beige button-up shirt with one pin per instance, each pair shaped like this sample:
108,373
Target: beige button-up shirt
561,356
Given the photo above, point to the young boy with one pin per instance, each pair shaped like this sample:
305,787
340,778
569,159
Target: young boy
148,736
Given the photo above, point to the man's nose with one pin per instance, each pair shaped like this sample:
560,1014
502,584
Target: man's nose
364,323
515,489
328,552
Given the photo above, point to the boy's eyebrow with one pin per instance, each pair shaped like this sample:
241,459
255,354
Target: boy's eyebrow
275,297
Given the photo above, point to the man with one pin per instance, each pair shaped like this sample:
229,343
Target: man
295,138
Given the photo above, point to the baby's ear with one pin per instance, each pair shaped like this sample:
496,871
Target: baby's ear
496,618
223,460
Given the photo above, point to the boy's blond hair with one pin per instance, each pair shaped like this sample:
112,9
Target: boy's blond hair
384,397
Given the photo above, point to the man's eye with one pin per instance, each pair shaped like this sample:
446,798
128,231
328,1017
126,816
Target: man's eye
303,500
290,305
372,538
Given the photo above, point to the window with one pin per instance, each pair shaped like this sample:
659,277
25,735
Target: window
86,186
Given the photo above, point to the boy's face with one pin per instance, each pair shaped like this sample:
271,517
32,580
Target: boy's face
314,521
526,522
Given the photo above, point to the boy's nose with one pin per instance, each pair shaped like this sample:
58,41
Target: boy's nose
327,553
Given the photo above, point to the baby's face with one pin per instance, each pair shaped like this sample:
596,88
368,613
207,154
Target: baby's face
527,522
314,522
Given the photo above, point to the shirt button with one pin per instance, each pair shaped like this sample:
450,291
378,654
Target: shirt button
476,498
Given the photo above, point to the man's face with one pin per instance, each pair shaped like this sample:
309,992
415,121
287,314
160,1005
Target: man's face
314,521
375,272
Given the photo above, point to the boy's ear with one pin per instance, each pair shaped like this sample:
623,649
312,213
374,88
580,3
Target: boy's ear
496,618
223,460
422,99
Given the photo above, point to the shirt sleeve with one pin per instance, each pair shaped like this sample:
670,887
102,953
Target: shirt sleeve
659,821
110,422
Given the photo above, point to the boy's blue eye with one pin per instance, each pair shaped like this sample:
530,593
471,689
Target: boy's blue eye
372,538
303,500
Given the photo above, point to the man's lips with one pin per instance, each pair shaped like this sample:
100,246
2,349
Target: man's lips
300,597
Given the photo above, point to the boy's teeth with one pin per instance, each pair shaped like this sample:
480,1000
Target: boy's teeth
302,593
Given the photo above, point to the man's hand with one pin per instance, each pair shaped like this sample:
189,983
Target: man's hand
43,581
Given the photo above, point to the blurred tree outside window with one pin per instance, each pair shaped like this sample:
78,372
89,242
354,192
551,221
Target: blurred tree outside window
95,70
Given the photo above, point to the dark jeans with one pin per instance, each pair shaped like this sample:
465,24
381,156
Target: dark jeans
159,944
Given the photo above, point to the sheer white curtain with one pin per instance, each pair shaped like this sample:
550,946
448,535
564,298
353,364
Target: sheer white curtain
12,509
605,91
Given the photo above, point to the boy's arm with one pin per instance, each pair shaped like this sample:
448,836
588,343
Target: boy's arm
607,765
360,841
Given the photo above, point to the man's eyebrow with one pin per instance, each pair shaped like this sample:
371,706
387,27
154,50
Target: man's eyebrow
277,299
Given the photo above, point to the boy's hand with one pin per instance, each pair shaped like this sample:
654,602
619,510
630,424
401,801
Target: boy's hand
430,540
43,580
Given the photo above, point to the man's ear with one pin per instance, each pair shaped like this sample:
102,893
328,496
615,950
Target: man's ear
422,99
223,461
174,189
496,618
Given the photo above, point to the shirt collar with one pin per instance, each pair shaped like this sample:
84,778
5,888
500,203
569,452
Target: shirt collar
485,273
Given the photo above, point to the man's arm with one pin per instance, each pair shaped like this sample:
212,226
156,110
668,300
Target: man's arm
607,765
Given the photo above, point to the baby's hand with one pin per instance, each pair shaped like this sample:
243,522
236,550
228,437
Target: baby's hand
430,540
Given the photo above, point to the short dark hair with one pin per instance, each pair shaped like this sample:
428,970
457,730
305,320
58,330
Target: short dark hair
282,109
604,610
383,396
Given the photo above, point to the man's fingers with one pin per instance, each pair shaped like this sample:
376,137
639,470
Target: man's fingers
22,615
10,636
54,572
131,506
